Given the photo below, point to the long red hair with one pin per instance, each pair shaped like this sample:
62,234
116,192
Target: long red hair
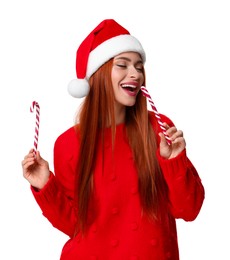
96,110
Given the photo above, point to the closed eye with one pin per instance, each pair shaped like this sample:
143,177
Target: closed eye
140,69
121,66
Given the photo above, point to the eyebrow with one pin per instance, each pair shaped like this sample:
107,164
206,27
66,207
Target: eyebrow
127,59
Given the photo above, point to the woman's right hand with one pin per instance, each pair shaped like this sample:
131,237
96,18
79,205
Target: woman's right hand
35,170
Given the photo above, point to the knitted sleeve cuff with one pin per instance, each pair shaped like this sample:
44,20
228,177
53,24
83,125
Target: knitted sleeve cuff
175,167
47,193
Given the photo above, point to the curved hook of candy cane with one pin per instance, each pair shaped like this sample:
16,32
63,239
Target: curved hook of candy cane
35,104
157,115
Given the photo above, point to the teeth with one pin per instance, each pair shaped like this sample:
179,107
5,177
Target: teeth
128,86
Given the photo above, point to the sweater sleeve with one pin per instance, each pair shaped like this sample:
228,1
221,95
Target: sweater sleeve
56,199
186,192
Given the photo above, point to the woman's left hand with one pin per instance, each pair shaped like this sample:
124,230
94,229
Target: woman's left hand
177,142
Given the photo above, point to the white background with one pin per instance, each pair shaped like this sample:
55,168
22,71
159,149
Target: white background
188,75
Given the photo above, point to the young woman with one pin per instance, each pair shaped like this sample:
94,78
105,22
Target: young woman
118,185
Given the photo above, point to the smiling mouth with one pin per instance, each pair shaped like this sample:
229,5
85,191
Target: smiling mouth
129,88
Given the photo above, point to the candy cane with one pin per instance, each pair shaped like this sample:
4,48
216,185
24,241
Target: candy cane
157,115
35,104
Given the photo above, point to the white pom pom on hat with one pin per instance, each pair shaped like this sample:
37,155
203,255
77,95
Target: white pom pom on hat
106,41
78,88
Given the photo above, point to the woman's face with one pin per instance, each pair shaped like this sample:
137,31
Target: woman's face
127,77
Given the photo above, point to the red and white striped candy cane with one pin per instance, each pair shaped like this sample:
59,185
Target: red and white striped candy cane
35,104
157,115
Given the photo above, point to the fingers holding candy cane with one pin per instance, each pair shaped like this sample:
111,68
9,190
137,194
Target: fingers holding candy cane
35,169
178,143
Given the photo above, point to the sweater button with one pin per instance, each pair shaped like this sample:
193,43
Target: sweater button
153,242
114,242
168,255
78,239
115,210
134,226
134,257
113,177
94,228
93,257
134,190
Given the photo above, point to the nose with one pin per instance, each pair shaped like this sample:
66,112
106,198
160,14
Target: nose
133,73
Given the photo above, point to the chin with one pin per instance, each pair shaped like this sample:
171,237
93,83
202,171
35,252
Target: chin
130,104
127,102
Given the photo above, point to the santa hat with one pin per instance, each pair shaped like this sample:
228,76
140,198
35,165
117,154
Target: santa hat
107,40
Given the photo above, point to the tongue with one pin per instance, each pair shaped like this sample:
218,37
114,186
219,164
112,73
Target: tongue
128,89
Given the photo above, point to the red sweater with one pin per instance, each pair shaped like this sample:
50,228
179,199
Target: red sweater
118,230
